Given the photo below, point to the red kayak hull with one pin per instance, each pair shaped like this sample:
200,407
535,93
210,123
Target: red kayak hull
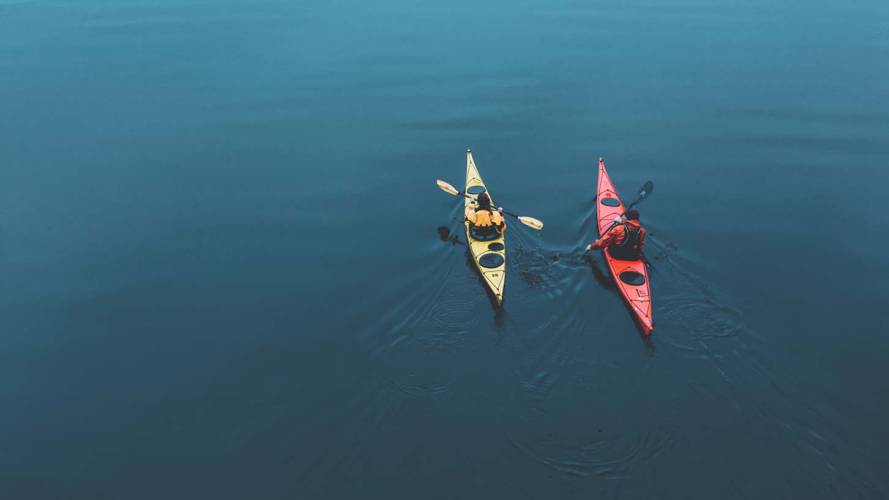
631,276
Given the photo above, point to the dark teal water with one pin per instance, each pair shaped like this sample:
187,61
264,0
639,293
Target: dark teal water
221,274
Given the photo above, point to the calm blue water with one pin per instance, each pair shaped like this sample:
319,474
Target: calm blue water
221,274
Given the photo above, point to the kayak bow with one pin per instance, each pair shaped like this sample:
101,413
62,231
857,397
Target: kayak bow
489,255
631,276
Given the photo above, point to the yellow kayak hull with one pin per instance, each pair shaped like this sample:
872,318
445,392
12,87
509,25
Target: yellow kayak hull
490,255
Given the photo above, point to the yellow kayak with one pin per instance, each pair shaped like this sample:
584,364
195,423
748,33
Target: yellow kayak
489,255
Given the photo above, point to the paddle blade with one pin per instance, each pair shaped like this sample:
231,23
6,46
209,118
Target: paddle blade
447,188
531,222
646,190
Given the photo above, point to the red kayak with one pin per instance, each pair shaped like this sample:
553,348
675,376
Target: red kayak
631,276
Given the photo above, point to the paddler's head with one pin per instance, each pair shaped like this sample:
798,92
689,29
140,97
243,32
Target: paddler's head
484,202
632,214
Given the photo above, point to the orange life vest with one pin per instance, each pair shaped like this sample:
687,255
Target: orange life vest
486,218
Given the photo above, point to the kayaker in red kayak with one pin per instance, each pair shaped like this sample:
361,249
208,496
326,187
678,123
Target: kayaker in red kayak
625,238
487,222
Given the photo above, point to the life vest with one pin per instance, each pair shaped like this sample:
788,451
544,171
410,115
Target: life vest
484,218
485,224
631,246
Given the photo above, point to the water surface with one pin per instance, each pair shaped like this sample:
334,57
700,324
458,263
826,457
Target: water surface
222,271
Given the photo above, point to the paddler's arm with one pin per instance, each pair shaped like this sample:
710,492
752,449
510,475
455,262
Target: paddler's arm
501,228
605,240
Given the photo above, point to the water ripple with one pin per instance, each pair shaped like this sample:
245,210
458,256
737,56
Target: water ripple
606,458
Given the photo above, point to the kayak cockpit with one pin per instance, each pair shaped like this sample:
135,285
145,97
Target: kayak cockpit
484,233
619,253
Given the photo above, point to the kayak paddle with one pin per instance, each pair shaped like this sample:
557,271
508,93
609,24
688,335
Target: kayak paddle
524,219
646,190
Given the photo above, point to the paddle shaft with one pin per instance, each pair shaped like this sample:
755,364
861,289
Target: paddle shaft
531,222
461,193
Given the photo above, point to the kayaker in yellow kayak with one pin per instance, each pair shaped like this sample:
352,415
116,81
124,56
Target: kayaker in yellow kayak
625,239
487,223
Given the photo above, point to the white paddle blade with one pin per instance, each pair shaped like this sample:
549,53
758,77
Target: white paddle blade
447,188
531,222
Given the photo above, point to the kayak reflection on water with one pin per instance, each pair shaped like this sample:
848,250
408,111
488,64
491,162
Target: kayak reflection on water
444,234
600,276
